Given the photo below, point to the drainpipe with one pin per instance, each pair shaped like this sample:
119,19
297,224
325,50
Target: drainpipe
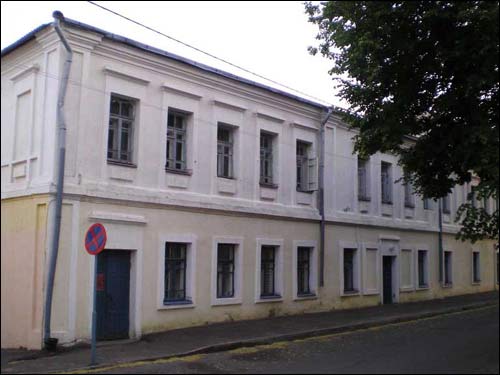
440,239
50,343
321,195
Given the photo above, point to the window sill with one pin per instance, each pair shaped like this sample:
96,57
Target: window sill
410,206
448,286
268,186
350,293
187,304
388,203
227,178
364,199
121,163
184,172
269,299
446,212
305,191
478,282
226,301
305,297
423,287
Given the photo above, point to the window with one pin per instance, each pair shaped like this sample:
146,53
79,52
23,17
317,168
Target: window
448,269
446,204
306,168
409,202
472,197
476,267
175,272
427,204
422,269
268,271
176,141
303,270
349,272
266,158
121,127
386,180
363,184
225,270
224,151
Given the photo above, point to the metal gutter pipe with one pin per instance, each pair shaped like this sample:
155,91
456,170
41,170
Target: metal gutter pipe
321,195
50,343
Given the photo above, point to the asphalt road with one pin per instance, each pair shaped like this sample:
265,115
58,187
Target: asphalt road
465,342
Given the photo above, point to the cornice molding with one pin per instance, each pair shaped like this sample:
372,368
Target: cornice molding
120,74
187,94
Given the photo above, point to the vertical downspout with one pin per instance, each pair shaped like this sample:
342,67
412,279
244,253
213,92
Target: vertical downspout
50,343
440,239
321,196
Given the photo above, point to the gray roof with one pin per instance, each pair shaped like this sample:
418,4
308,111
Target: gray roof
144,47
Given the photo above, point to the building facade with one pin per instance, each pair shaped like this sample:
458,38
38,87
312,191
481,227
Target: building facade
206,184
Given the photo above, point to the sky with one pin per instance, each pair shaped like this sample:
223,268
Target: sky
269,38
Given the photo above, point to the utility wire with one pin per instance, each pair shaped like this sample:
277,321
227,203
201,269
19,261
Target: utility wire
207,53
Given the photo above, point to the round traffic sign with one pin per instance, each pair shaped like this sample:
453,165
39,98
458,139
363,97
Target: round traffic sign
95,239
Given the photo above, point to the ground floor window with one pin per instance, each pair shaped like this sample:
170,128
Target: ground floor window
303,270
349,270
268,271
225,270
422,269
448,269
476,267
175,272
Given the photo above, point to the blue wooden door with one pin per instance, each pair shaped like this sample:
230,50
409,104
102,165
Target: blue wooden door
113,291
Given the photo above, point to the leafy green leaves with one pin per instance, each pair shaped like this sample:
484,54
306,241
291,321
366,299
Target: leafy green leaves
428,70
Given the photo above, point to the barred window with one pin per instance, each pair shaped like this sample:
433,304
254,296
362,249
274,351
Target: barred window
303,270
175,272
446,204
225,270
176,141
268,271
224,151
266,158
121,128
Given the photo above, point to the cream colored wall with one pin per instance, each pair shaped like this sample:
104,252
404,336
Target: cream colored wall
23,257
142,227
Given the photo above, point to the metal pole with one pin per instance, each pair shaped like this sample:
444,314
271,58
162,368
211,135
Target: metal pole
440,239
94,317
50,342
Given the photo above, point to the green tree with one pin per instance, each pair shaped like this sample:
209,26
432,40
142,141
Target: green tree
427,72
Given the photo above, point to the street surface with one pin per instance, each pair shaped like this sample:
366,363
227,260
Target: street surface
465,342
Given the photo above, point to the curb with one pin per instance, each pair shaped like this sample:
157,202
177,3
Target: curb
295,336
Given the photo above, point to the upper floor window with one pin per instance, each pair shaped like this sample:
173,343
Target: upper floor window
386,180
225,138
427,204
266,158
363,183
121,129
409,202
176,141
446,204
306,168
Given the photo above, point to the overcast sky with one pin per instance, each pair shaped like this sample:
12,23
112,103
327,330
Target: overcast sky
268,38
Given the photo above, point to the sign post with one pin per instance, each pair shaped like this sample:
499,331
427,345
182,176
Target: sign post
95,240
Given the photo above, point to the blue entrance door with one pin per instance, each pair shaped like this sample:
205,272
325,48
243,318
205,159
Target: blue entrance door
113,291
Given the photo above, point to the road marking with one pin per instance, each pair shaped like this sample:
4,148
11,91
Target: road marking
276,345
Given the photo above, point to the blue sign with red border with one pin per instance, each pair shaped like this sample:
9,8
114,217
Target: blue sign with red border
95,239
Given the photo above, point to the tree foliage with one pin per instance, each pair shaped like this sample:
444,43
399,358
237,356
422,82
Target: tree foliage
428,72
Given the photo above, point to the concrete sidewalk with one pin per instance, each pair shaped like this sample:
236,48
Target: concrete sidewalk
225,336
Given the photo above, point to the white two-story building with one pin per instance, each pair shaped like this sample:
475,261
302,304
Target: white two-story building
206,184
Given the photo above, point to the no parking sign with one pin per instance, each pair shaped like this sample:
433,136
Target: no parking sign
95,239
